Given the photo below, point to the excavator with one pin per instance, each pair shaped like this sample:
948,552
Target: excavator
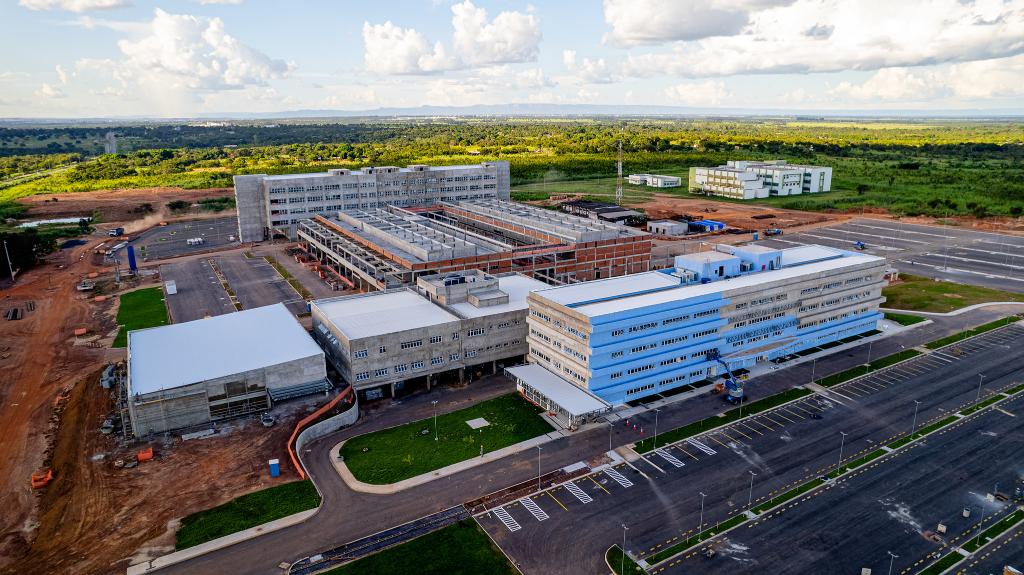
733,387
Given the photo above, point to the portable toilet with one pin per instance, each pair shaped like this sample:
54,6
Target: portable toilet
275,467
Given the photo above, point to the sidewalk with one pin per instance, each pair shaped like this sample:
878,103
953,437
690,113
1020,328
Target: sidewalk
954,312
452,469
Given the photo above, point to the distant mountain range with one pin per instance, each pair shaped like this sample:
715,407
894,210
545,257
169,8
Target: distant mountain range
552,110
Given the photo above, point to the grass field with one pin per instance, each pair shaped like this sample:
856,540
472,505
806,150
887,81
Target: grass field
904,319
460,549
621,563
916,293
406,451
140,309
245,512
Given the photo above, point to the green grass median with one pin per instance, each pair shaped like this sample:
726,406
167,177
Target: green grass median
725,418
922,432
854,372
398,453
459,549
702,536
996,530
904,319
620,562
246,511
791,494
140,309
971,332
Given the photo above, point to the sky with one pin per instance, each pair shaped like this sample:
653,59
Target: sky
177,58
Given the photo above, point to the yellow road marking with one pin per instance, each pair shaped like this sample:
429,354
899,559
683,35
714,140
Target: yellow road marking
776,412
780,424
688,453
551,495
736,429
731,438
793,413
1001,410
762,424
599,486
712,437
750,428
802,409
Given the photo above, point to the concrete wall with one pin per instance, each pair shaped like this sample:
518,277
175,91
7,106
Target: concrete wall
328,426
252,212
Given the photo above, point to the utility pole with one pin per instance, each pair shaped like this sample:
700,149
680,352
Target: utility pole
10,268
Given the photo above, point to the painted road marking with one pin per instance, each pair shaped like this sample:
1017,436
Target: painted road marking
680,448
599,486
579,493
534,509
669,458
701,446
762,424
560,504
793,413
618,477
1001,410
770,418
744,424
507,519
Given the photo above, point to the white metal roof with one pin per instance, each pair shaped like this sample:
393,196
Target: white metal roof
611,287
627,301
516,286
181,354
381,313
569,397
797,256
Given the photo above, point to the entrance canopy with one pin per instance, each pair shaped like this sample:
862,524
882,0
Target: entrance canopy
571,405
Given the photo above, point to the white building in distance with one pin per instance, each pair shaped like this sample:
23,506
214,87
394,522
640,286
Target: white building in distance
268,204
748,180
655,180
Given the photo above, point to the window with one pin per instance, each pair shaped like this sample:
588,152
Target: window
417,365
383,349
412,344
453,357
640,369
361,353
455,335
475,332
617,333
402,368
616,354
435,339
471,353
380,372
436,360
616,375
363,376
640,389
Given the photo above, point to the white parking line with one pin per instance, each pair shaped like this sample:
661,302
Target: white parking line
507,519
579,493
669,458
985,262
963,271
618,477
899,230
701,446
533,508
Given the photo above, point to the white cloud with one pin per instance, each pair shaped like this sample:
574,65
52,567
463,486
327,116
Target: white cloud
640,22
888,84
512,37
230,2
73,5
49,92
191,52
391,49
62,74
837,35
709,93
981,80
587,71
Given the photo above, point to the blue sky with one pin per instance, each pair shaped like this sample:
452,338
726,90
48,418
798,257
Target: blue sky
87,58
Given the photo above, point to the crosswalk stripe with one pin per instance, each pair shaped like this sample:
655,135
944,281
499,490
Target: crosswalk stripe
669,458
701,446
579,493
534,509
507,519
618,477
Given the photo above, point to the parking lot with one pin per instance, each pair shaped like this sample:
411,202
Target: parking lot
162,242
661,498
256,283
200,293
947,252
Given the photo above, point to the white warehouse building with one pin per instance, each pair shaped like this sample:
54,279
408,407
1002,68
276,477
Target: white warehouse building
748,180
190,374
269,204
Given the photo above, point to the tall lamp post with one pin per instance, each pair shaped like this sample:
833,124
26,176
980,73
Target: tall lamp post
538,468
622,564
435,418
656,413
750,493
892,559
913,427
841,444
700,526
981,378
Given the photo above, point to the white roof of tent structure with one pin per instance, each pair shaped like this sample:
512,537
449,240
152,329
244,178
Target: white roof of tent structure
569,397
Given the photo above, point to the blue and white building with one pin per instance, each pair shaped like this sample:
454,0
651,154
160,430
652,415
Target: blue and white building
624,338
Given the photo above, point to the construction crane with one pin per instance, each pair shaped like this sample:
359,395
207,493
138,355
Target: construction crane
618,167
733,387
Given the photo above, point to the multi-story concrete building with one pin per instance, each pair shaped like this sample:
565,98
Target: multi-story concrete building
390,247
269,204
193,373
628,337
747,180
450,327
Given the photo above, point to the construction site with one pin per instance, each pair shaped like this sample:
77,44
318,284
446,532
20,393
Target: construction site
391,247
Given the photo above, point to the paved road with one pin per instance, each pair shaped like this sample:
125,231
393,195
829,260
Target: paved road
199,291
783,448
346,515
946,252
1006,550
889,508
256,283
170,241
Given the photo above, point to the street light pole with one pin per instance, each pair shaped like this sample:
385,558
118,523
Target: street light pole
656,413
814,364
913,427
892,559
622,564
538,468
981,378
750,493
867,366
701,525
841,444
435,418
610,427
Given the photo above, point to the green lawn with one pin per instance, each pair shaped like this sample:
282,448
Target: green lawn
405,451
140,309
246,511
459,549
904,319
916,293
618,561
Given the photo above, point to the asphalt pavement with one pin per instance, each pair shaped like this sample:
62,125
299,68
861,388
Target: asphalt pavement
199,292
256,283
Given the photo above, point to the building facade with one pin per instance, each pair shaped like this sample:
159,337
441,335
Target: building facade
629,337
748,180
655,180
449,328
268,204
391,247
193,373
